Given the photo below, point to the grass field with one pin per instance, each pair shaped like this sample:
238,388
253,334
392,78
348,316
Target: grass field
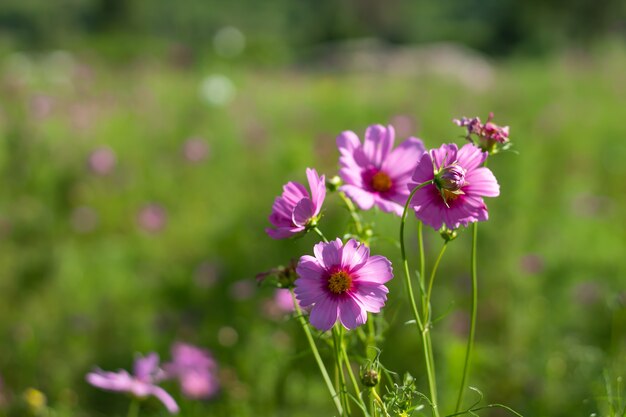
100,262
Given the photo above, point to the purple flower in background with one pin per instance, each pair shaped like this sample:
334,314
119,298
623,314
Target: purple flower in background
195,150
373,173
283,300
152,217
342,282
296,209
195,369
102,161
459,183
141,384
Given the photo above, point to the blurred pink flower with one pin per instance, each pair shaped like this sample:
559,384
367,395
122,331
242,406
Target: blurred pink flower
342,282
102,161
141,384
459,183
195,369
373,172
152,217
84,219
283,300
195,150
532,264
296,209
41,106
242,289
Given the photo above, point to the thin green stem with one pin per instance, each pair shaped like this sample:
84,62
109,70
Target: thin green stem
472,330
433,273
316,354
420,246
343,391
353,380
424,332
380,402
356,219
319,233
133,409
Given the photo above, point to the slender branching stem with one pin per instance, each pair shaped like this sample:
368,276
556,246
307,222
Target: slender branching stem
472,330
316,354
423,331
356,219
343,390
427,309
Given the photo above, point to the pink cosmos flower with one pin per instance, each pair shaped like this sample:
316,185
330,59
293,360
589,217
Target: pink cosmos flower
342,282
142,384
373,173
296,209
195,369
102,161
459,183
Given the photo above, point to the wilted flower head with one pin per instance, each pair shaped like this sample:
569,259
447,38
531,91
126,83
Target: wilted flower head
281,276
141,384
195,369
342,282
372,172
486,136
296,209
459,183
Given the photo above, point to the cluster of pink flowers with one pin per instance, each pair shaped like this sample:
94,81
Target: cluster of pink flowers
342,282
486,135
193,367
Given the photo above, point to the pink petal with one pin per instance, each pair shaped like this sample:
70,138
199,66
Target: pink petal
470,157
166,399
317,185
324,314
362,198
377,269
389,206
351,314
310,267
371,296
403,159
328,254
309,292
146,366
283,232
445,154
303,212
378,143
481,181
354,255
423,171
112,381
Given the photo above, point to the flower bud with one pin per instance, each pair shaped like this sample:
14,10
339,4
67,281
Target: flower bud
447,234
370,378
333,183
450,178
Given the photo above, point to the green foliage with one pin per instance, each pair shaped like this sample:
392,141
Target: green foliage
83,284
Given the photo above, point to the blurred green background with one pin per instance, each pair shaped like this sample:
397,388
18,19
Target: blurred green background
143,143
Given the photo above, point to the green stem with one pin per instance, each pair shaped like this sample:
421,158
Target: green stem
320,234
472,331
356,219
343,391
424,332
353,380
420,245
133,409
380,402
427,309
316,354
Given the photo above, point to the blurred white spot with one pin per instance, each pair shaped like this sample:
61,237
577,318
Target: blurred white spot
217,90
227,336
229,42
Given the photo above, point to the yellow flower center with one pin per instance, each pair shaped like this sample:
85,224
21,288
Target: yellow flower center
381,182
339,282
449,195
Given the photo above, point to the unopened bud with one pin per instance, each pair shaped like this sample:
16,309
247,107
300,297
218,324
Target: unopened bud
451,178
370,378
333,183
447,234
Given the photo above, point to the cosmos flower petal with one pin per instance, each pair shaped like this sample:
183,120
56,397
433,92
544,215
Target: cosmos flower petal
403,159
481,181
377,269
324,314
391,206
444,155
470,157
352,314
371,296
310,267
166,399
146,366
111,381
302,212
317,185
362,198
354,255
423,171
283,232
378,143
